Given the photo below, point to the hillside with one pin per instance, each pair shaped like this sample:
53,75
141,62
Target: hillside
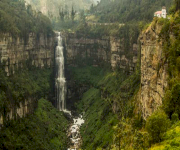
127,10
19,20
114,66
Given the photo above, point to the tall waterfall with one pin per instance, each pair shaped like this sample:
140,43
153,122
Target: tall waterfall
60,79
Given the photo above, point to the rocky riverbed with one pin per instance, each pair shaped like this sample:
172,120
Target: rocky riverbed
74,133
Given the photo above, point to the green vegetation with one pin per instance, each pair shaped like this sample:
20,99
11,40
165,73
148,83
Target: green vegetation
30,85
171,139
97,31
19,20
108,99
45,129
127,10
171,46
87,75
98,128
117,94
157,124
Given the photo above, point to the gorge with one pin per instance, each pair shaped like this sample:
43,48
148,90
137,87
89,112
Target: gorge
92,84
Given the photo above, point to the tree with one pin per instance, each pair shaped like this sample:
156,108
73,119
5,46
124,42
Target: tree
61,14
73,13
171,102
66,12
157,124
177,3
82,16
92,8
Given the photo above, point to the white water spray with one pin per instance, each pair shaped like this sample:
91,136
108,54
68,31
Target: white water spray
60,79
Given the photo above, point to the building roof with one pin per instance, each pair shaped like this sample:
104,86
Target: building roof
158,12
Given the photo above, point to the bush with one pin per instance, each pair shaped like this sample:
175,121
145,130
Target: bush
174,117
156,125
171,101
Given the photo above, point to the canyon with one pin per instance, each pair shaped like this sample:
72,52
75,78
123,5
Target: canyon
94,51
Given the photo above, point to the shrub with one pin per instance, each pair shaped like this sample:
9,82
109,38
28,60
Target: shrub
174,117
171,101
156,125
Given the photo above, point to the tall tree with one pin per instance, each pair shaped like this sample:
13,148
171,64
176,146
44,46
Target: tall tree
61,14
177,2
73,13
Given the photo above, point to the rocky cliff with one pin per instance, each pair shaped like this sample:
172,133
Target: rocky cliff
15,54
153,70
99,50
81,51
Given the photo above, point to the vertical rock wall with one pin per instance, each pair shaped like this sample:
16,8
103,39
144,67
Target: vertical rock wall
14,53
153,71
99,50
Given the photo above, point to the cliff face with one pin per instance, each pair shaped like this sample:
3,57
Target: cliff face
15,52
153,70
82,51
99,50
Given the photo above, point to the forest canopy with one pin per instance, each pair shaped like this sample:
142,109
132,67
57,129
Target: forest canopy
17,19
127,10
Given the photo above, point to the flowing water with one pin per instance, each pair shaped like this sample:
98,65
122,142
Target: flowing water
74,133
60,79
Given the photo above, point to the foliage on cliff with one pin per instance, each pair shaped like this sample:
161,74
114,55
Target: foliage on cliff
23,85
157,124
104,104
171,139
100,119
127,10
171,45
45,129
18,19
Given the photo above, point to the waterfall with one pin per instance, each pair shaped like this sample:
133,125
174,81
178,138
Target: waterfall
60,79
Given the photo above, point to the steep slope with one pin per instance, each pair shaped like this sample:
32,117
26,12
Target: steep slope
106,96
45,129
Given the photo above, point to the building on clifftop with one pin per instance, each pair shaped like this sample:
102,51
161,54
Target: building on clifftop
161,14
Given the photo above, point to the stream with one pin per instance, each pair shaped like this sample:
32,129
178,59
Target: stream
74,132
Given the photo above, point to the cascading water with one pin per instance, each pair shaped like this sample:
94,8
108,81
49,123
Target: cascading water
60,79
61,95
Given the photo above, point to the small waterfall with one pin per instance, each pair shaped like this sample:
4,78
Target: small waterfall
60,79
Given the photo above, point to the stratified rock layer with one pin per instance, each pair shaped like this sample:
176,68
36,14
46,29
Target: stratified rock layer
100,50
15,53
